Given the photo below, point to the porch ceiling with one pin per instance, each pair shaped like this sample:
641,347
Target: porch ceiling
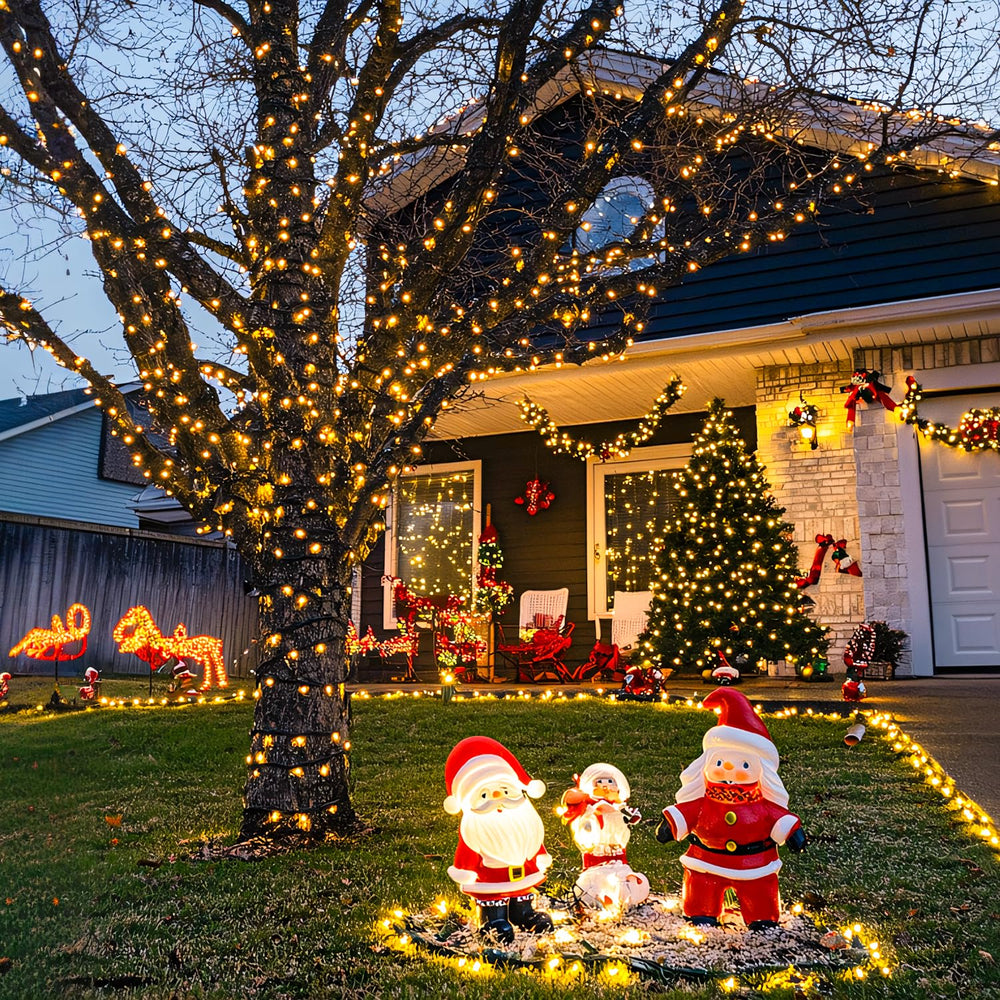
713,364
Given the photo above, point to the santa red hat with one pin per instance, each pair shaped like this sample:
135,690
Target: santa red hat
739,728
478,760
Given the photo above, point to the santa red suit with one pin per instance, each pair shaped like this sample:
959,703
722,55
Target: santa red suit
735,823
501,855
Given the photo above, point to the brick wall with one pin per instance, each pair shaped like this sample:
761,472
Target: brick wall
818,488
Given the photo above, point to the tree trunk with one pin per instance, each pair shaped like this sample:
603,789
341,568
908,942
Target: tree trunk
298,768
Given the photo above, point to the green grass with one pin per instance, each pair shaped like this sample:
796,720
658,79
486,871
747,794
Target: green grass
885,853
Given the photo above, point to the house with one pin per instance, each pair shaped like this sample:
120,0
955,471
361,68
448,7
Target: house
903,282
59,459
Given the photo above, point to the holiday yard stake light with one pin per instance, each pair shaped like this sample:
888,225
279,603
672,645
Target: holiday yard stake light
48,643
136,632
732,806
351,317
501,856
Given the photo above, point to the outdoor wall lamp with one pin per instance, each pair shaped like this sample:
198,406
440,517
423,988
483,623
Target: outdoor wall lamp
803,415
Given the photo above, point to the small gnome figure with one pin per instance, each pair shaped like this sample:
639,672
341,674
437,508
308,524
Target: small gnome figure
91,683
4,684
500,856
732,806
599,816
181,677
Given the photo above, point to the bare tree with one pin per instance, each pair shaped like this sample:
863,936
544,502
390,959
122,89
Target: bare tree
260,176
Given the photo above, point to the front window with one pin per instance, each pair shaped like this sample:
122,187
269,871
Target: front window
630,502
431,530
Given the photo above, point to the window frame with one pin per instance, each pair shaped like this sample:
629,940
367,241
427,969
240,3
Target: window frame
475,466
665,456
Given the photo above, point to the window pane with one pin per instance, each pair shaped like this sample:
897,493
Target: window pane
637,506
434,535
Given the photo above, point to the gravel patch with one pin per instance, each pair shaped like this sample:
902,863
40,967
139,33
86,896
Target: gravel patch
651,938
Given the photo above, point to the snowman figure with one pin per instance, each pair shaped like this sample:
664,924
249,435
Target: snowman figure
599,817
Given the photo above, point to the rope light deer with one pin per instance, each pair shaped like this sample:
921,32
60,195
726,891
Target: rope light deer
137,633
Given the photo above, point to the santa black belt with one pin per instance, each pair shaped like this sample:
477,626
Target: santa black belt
754,848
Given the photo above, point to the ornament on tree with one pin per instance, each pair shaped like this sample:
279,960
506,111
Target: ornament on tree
823,542
725,574
597,812
91,683
733,806
844,562
816,670
4,684
501,854
865,385
492,594
537,496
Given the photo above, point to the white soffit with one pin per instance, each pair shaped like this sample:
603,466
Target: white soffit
723,363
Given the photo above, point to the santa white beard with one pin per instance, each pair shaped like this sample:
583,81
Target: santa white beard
510,836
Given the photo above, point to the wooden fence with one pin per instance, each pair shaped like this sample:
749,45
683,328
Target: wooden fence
46,565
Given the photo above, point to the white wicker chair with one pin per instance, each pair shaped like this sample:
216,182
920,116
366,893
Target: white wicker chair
628,616
542,609
544,635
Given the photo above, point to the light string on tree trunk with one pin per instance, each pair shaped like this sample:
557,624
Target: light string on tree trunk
561,443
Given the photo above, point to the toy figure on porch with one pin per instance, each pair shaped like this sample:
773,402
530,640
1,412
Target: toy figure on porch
642,682
858,653
733,807
599,817
500,856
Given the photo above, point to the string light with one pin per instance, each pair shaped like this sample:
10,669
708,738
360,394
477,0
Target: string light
978,429
562,443
136,632
48,643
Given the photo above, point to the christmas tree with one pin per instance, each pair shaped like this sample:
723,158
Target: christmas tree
725,575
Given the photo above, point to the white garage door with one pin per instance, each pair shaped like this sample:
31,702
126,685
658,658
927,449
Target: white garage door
962,517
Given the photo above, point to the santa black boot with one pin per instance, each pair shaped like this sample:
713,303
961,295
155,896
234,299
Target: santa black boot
523,914
493,919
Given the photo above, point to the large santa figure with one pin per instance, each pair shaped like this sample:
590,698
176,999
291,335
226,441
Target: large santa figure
599,817
500,856
732,807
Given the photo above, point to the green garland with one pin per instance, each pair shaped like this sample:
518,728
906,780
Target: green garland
561,443
978,430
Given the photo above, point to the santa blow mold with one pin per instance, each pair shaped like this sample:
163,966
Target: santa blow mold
599,817
500,856
732,807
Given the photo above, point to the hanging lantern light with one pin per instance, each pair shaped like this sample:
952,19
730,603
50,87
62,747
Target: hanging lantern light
803,415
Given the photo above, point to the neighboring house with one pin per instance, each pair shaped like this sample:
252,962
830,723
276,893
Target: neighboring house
58,459
905,282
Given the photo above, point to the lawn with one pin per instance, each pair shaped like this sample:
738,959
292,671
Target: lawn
94,905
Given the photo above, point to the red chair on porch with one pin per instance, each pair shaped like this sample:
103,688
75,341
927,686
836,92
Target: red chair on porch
543,638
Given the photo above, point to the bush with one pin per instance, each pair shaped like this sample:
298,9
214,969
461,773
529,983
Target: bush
888,643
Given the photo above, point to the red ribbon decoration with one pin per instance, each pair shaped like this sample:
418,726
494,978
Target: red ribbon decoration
865,385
